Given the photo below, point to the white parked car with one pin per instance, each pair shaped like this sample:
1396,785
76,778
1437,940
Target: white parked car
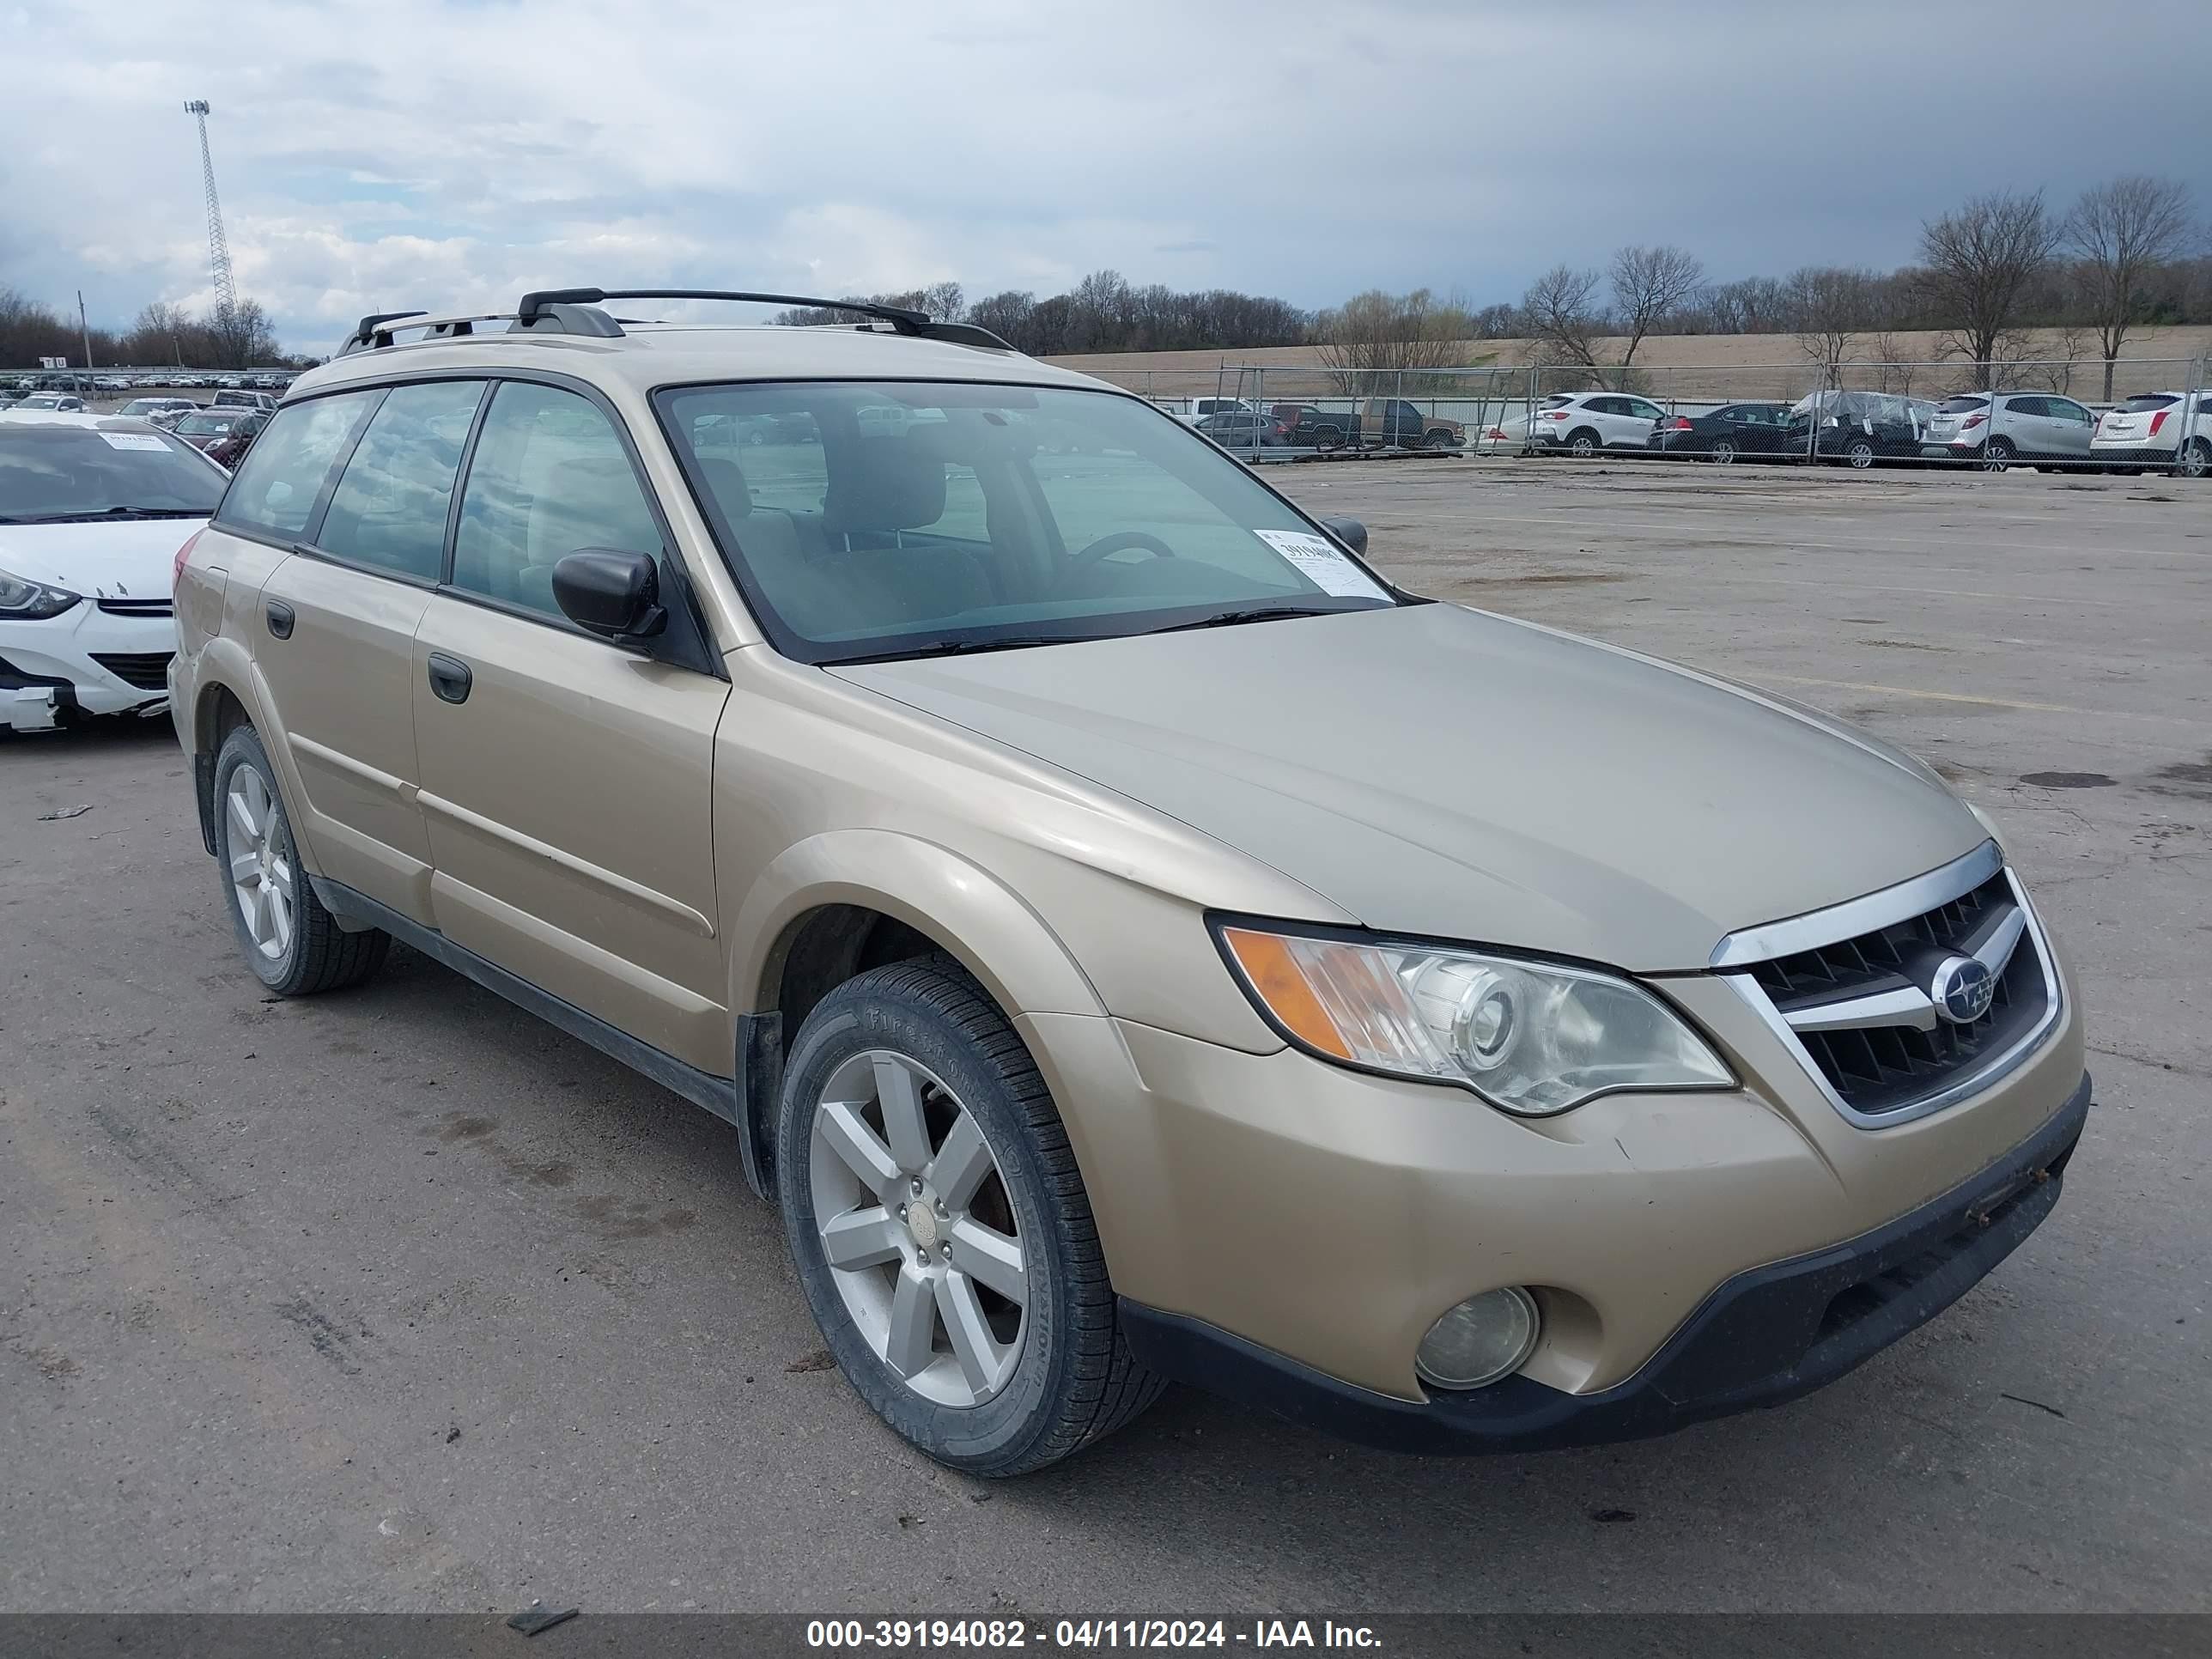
1205,408
93,511
1583,423
154,409
2159,428
2039,429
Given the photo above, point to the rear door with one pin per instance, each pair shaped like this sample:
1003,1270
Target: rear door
565,780
331,623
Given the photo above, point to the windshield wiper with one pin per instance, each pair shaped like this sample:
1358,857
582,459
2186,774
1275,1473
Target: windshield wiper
119,513
962,648
1257,613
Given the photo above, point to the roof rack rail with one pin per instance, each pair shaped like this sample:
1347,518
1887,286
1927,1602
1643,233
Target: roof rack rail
903,321
376,329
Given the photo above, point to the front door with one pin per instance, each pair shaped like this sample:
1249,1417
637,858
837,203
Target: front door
565,781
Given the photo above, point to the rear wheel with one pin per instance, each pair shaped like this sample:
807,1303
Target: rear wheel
1441,440
294,946
1326,438
1998,455
1858,454
1583,443
2195,459
940,1228
1724,451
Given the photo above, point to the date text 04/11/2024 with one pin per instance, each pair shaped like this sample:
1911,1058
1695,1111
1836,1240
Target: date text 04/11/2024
1085,1633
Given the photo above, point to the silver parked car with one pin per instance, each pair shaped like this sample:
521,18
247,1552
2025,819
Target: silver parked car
1996,429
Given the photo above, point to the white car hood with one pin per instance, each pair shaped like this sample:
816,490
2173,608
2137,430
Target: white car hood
104,558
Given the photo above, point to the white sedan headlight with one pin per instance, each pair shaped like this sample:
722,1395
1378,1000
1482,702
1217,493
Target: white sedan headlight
25,600
1531,1037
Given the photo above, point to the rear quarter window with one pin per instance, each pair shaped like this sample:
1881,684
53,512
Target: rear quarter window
280,483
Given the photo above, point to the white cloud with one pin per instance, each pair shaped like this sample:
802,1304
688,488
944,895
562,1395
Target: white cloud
412,152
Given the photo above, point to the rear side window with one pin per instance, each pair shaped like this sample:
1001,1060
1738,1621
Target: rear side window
281,481
550,477
391,502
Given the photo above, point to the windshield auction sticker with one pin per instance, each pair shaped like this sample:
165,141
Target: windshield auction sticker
133,440
1322,564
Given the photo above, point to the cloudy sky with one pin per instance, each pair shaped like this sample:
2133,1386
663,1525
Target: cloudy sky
437,152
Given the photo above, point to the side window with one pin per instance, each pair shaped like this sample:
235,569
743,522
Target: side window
1643,410
2066,409
277,485
550,477
2025,406
392,500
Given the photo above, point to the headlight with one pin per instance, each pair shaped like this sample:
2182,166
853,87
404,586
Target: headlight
1532,1037
29,601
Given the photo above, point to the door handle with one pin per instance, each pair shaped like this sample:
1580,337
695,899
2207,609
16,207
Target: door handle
280,619
450,677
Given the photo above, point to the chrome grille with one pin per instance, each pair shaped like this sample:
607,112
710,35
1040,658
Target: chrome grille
1861,1011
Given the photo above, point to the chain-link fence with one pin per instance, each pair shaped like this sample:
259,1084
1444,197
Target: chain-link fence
1951,414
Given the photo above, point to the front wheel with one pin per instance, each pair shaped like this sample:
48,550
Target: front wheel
1326,438
941,1230
294,946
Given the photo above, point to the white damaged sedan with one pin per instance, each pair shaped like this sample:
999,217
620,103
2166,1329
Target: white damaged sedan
93,510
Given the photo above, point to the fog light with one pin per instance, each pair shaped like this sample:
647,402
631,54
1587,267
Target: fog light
1484,1338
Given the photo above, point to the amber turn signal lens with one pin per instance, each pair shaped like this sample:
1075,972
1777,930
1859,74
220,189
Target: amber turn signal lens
1274,976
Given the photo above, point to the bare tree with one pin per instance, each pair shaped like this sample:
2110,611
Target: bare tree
1650,285
2124,231
1397,334
1561,318
1979,259
1890,373
1830,306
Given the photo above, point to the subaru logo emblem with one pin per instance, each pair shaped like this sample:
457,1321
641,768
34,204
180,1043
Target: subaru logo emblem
1963,989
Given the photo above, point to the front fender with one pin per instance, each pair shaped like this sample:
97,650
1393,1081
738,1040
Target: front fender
995,935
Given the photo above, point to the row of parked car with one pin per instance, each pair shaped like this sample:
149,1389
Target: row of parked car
111,383
1366,423
1994,430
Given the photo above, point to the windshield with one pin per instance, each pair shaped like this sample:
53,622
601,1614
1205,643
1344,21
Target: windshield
203,425
2147,402
65,471
872,520
1960,405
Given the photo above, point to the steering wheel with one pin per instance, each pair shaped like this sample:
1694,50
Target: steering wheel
1118,540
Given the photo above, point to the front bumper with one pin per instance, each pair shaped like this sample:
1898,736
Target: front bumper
51,670
1767,1336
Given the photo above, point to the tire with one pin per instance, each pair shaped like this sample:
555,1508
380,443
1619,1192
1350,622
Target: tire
294,946
1997,454
2196,460
1583,443
1441,440
1724,452
1858,454
1056,1373
1326,438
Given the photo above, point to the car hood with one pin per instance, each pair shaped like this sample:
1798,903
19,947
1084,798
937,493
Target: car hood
1432,769
105,558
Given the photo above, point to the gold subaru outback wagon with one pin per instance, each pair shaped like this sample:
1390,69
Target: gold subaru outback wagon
1131,939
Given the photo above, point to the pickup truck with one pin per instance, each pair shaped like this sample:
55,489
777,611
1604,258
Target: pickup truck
1369,423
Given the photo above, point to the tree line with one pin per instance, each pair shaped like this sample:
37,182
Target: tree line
2127,254
164,334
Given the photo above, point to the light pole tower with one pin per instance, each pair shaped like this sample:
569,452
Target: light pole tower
226,292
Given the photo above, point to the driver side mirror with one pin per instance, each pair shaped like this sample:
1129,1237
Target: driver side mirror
614,595
1350,532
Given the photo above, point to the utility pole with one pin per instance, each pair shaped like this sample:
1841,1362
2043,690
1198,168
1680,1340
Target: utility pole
85,329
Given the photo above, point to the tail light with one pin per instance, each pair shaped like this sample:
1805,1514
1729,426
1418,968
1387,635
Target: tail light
177,570
2156,421
1681,423
1495,432
1555,414
1971,422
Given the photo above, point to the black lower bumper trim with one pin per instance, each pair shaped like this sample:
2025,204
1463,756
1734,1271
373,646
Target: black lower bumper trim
1769,1336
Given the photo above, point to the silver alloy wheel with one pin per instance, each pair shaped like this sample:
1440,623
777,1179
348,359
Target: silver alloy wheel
2195,459
1583,446
1724,451
261,873
1997,456
918,1228
1859,453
